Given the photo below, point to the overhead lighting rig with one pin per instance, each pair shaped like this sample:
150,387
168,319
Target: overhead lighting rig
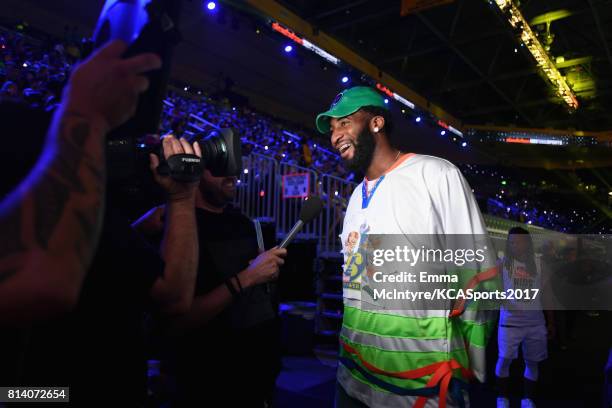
529,39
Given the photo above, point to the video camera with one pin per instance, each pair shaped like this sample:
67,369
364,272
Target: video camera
221,155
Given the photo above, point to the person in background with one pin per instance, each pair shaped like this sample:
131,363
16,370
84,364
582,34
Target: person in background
521,322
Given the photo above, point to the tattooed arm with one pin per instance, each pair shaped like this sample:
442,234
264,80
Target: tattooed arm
50,224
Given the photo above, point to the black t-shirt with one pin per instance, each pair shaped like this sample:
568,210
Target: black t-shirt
244,338
227,243
99,348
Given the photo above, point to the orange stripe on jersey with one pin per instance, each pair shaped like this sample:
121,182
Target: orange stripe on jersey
399,161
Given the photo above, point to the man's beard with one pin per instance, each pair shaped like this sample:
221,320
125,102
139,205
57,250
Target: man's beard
216,195
364,151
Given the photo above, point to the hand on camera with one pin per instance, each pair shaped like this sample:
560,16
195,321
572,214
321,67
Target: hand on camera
105,87
264,268
175,190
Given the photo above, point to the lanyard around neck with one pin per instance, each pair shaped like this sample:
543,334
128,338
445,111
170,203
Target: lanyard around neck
365,199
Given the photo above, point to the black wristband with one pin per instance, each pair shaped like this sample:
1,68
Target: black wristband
239,284
231,287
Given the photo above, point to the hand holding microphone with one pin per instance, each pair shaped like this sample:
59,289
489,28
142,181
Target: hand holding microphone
264,268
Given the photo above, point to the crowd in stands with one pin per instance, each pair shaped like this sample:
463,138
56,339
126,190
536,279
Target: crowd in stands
34,70
260,133
542,197
186,113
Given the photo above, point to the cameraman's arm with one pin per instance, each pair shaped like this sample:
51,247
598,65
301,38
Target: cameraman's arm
49,226
173,292
263,269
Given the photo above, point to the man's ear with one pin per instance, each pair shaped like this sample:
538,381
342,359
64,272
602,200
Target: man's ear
377,123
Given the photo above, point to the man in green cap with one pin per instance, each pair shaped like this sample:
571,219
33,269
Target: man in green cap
401,358
355,106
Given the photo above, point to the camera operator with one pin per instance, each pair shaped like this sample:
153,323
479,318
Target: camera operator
98,348
233,323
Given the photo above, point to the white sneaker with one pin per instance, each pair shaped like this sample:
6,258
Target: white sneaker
503,403
527,403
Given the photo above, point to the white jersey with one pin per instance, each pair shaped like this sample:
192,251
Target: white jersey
420,195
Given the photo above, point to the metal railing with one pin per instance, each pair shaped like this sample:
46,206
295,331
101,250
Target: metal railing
335,193
202,123
260,196
289,210
258,187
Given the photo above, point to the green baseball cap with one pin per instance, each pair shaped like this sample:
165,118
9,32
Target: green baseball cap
348,102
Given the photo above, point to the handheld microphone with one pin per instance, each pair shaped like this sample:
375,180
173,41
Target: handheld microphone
310,209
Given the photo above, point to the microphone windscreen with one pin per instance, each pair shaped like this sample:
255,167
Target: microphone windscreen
311,208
